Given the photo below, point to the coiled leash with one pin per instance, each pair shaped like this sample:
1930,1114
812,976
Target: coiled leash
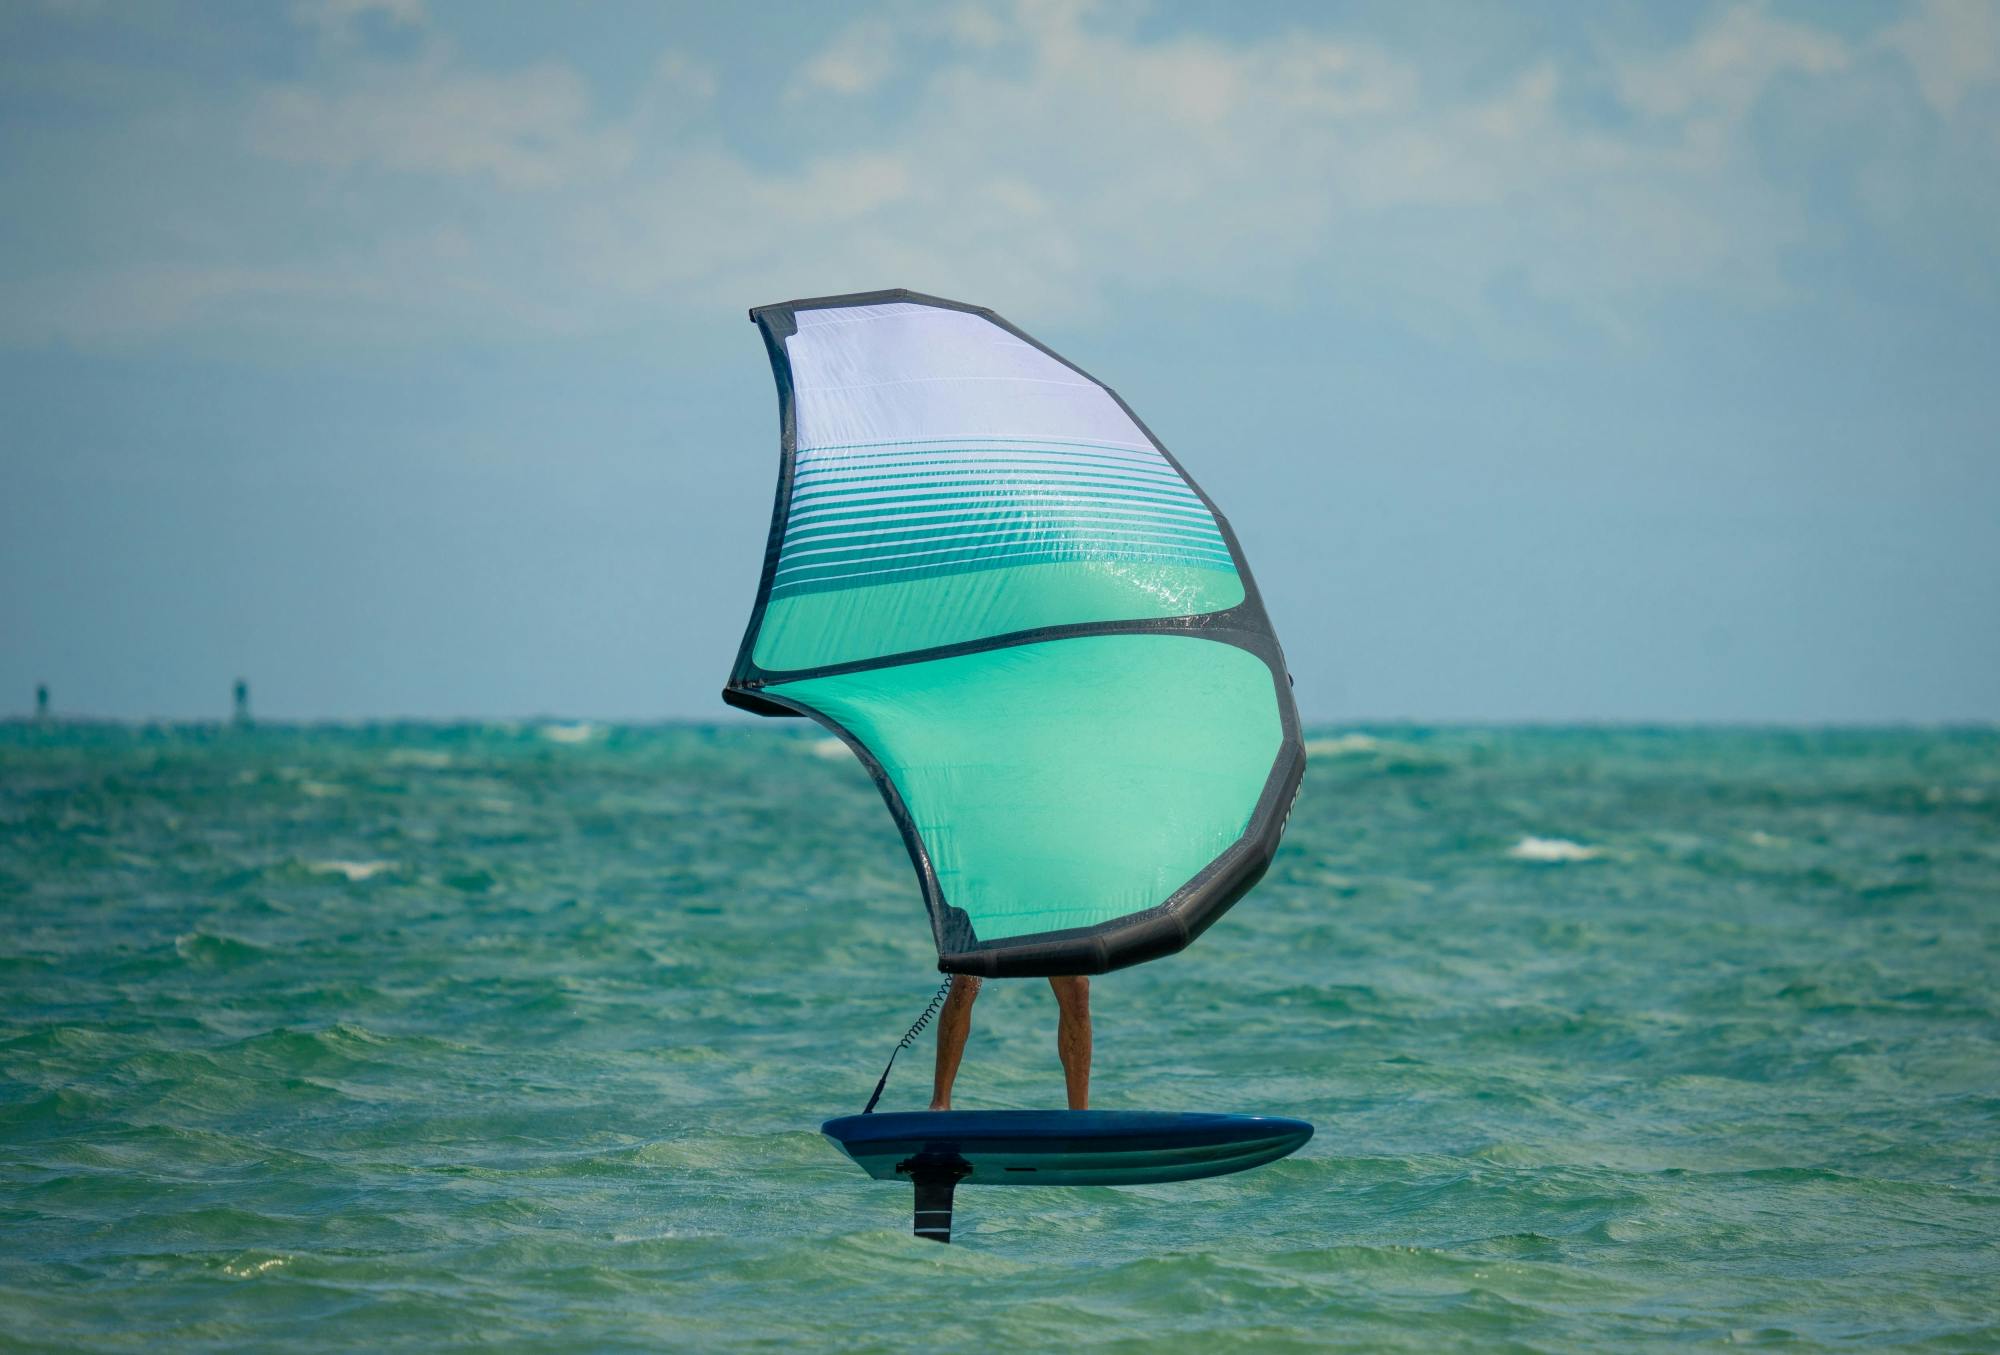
937,1000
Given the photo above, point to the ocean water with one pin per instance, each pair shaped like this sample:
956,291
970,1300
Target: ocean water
401,1037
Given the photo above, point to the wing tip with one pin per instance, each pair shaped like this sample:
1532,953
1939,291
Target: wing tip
755,704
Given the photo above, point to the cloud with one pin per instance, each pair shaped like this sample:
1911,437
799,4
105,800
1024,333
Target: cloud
1053,155
1952,45
340,21
1716,77
1306,160
862,58
526,129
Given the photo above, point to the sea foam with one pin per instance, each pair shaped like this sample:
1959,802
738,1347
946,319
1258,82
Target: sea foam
354,871
1552,849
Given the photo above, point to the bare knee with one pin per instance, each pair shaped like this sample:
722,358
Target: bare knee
1072,991
964,988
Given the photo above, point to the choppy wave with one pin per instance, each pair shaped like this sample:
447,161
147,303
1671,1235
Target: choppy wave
1344,745
387,1037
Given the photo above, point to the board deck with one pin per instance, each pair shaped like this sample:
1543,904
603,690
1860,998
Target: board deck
1062,1147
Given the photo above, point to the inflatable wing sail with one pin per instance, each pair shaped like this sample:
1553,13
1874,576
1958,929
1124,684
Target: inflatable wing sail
1035,630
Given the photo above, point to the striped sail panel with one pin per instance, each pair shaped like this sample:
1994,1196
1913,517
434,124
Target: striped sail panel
951,482
858,521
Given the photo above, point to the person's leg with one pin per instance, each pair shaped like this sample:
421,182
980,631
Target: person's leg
954,1024
1073,1037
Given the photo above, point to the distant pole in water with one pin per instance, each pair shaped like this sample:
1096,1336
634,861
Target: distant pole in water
242,702
41,700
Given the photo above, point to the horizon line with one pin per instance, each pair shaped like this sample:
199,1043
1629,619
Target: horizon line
732,720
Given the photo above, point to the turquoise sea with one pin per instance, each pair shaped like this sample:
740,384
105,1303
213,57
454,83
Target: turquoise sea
401,1037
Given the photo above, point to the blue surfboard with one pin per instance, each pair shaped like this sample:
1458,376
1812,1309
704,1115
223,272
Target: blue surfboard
940,1150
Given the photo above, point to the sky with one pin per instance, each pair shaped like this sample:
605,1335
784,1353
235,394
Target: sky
1553,362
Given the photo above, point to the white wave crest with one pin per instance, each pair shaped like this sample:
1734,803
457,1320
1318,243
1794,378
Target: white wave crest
418,757
245,1270
355,871
1552,849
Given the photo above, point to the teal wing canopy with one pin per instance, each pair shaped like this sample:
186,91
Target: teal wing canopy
989,579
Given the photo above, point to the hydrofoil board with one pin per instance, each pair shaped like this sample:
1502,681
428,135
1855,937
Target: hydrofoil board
938,1150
